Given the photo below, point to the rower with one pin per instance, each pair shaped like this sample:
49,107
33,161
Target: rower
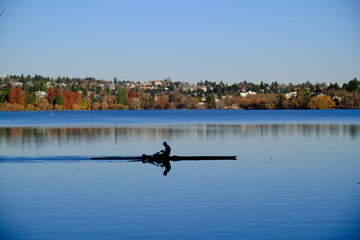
166,152
165,158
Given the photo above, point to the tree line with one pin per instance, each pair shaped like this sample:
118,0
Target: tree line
92,94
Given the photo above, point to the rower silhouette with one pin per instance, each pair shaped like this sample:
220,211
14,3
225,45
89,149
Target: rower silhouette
164,158
166,152
161,159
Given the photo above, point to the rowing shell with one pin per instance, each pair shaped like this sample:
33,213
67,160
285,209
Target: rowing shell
171,158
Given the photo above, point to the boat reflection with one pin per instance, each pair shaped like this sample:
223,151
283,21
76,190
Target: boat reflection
161,162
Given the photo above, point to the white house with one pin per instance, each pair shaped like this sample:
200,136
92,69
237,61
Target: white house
247,93
41,94
290,95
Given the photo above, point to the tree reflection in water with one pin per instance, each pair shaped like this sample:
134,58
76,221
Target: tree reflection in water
29,138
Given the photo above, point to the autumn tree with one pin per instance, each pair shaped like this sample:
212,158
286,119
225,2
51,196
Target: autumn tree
43,105
107,102
178,99
104,105
144,100
290,104
132,100
50,95
259,103
77,101
244,103
88,102
131,95
321,102
162,102
191,103
266,101
84,104
95,106
68,99
19,96
12,96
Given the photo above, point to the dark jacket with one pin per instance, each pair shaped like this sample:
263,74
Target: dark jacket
167,151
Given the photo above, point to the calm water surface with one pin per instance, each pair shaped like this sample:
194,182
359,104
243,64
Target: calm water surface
297,175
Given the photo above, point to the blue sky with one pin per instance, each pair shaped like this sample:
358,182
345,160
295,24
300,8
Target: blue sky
230,41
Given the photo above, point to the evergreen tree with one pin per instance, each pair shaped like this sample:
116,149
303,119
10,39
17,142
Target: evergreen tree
353,85
334,86
59,99
210,100
303,97
122,97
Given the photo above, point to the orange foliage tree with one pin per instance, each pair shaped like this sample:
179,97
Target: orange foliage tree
52,94
131,95
77,98
72,100
68,99
16,97
19,96
12,95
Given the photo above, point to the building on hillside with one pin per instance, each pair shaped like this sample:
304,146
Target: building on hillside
201,105
234,106
244,94
187,87
30,84
111,86
97,96
290,95
204,88
130,85
156,82
16,84
41,94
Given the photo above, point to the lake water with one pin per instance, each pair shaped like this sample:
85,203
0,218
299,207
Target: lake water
297,175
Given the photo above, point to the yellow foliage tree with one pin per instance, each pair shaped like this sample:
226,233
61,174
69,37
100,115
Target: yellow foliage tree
115,106
76,107
321,102
58,107
104,105
96,106
6,106
244,103
30,107
44,105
